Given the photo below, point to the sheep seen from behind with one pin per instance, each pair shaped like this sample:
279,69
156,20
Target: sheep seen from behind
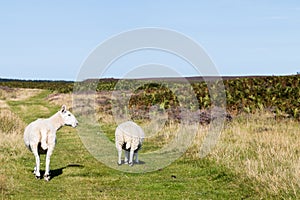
129,137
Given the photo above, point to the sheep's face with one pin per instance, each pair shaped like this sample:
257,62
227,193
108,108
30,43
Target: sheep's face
68,117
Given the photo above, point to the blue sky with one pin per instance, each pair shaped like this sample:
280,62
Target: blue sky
51,39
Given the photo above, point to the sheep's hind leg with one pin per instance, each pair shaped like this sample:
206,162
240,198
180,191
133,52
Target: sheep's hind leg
37,161
119,148
135,155
44,140
131,158
126,157
47,170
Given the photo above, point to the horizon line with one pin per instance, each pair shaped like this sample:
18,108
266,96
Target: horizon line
150,78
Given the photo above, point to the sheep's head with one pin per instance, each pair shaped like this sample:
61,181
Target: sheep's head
68,118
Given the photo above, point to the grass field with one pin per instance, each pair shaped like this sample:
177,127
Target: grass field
257,157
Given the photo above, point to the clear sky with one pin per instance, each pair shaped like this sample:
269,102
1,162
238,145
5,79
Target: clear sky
51,39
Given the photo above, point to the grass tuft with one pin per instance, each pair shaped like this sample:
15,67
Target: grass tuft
10,123
3,185
265,150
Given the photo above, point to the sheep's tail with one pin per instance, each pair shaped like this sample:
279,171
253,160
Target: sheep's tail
125,138
27,144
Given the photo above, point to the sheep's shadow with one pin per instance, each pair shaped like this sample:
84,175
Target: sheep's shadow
140,163
135,163
57,172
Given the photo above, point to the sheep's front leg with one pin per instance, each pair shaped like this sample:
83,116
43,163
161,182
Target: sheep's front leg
37,161
119,143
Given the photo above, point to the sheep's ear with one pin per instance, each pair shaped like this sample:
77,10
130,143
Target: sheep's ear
63,108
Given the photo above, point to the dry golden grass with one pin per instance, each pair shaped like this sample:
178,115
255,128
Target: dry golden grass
10,123
61,99
11,144
42,109
3,104
17,94
11,132
3,186
261,148
22,94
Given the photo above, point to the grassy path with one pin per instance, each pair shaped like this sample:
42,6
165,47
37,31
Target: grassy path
77,175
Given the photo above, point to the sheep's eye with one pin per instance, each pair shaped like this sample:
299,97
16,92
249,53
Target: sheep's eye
69,115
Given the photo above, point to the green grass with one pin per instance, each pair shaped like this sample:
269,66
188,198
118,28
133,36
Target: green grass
33,108
78,175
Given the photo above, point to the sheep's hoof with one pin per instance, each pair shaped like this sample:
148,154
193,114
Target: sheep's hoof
47,178
119,163
126,162
130,164
38,177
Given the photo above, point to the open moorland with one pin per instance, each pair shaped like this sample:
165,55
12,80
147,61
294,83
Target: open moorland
256,156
